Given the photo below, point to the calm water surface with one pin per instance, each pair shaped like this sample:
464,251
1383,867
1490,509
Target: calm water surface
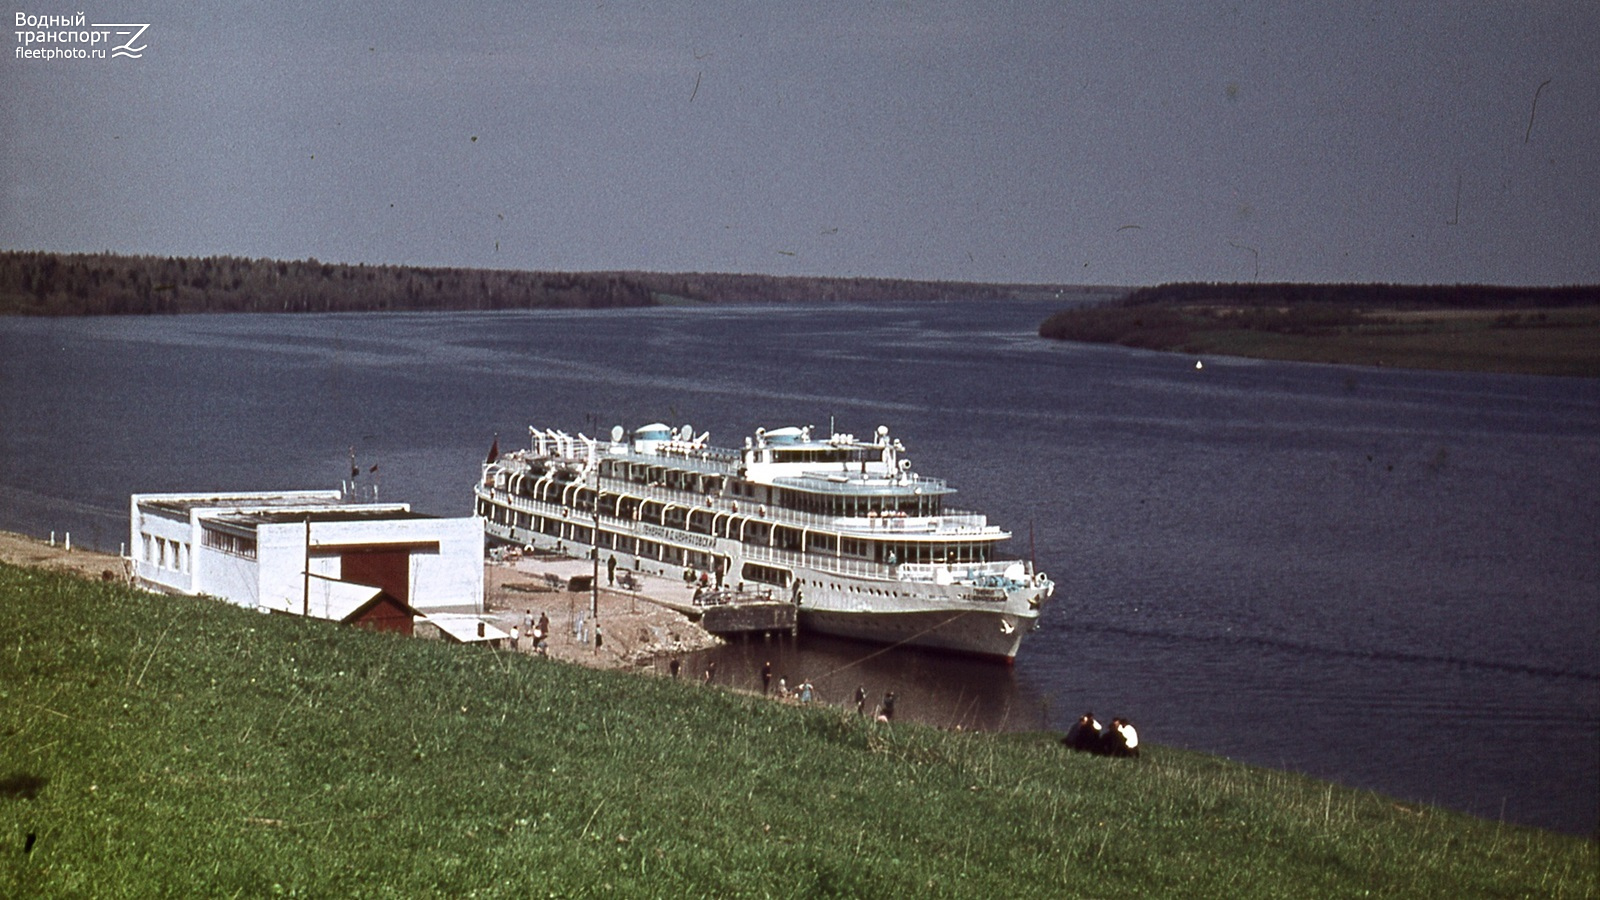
1389,579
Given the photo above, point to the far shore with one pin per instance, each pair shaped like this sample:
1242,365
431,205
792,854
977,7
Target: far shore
1561,340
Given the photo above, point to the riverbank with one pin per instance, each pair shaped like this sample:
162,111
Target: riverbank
21,550
1504,331
637,629
175,745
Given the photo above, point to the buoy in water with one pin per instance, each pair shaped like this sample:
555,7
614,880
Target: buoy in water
1199,365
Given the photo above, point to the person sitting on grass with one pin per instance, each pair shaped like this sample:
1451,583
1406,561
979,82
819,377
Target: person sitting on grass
1084,734
1120,739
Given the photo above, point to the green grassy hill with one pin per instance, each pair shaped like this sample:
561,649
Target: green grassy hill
157,746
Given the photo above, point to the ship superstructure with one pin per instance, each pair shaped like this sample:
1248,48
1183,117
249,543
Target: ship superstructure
843,527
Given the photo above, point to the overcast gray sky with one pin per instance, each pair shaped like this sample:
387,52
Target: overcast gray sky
1127,143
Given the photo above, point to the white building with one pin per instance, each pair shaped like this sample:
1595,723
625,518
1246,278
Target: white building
304,550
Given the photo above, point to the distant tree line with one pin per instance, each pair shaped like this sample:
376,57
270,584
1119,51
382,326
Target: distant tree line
1167,315
106,284
38,283
1364,296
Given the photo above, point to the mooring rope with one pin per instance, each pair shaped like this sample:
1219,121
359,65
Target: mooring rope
886,649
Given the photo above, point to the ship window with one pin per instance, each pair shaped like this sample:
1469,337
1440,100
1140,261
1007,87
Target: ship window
766,574
785,538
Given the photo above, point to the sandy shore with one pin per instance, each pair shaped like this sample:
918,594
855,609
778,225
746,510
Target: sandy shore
22,550
636,630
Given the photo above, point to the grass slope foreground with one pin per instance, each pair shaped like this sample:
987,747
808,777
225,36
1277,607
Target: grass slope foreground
160,746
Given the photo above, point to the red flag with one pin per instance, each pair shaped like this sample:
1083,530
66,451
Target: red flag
494,451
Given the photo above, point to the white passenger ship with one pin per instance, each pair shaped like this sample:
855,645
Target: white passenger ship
842,527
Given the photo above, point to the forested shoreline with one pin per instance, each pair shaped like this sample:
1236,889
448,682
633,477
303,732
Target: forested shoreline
1371,296
59,284
1491,328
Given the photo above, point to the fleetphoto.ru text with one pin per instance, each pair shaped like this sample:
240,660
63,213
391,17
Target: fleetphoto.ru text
74,37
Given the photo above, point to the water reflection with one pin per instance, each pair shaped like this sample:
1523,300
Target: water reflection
938,689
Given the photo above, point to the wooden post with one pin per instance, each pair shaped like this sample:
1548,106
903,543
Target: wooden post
305,595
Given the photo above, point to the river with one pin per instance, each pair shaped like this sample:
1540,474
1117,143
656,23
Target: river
1388,579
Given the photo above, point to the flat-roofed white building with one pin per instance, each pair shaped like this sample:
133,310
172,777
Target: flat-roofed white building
301,550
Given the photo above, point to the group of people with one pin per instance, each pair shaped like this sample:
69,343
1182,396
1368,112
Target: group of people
885,710
1088,735
704,580
804,692
537,633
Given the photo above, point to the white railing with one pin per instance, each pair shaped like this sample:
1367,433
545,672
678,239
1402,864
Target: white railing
952,522
838,565
967,524
958,573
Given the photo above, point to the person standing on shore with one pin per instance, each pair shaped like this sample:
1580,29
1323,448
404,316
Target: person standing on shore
861,699
766,677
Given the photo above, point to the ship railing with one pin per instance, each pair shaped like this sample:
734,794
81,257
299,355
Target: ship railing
860,568
679,452
961,573
951,523
733,596
581,515
948,522
823,481
991,574
944,523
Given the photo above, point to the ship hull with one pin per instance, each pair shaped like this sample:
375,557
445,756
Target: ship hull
966,632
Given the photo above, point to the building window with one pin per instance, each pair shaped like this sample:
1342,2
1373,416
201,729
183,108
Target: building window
233,544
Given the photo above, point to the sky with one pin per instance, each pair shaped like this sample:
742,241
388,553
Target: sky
1052,142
